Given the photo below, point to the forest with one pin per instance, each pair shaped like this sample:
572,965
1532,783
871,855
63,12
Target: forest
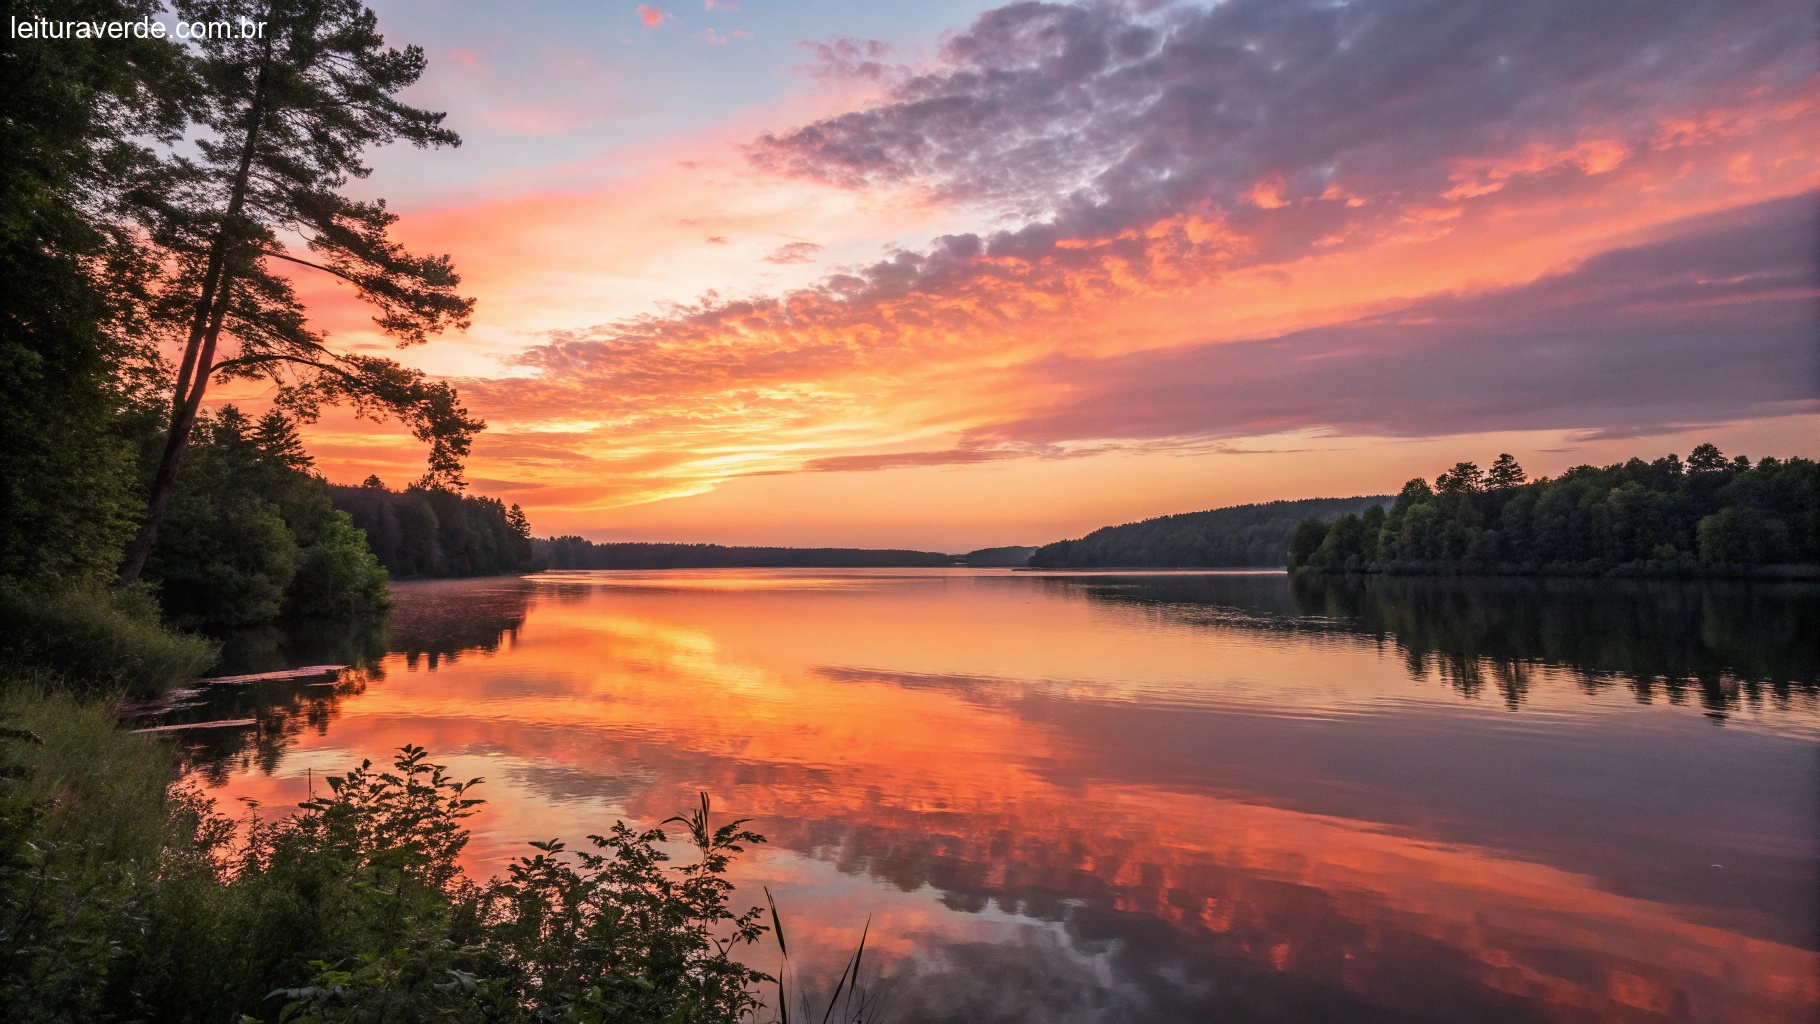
437,531
577,553
1707,516
1241,536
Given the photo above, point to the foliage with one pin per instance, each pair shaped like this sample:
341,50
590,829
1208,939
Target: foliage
338,575
74,120
280,123
617,936
1241,535
354,908
434,531
95,641
576,553
1708,516
83,830
252,534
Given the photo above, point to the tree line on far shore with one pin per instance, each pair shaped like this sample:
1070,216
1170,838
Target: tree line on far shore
1239,536
1708,515
578,553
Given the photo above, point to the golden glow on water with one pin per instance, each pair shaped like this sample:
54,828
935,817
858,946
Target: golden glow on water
1153,803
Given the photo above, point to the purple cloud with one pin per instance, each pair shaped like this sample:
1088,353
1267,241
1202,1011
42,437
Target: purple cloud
1720,322
1104,116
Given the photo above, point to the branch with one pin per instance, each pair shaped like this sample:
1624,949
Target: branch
315,266
274,357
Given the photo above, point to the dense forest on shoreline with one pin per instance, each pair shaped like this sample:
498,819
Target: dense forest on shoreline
577,553
1708,516
1239,536
434,531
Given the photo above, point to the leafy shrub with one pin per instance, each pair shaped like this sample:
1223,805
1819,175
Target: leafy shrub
223,558
352,909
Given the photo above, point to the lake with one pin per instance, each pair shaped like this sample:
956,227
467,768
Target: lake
1221,796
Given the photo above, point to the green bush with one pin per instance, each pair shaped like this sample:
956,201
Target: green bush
1742,535
95,641
116,904
252,534
83,833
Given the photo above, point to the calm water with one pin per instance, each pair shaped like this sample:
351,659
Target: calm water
1167,797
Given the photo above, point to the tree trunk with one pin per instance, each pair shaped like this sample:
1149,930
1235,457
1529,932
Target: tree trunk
199,348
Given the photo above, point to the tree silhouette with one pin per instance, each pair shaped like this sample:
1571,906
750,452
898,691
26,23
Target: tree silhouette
1463,478
288,114
1505,473
1705,458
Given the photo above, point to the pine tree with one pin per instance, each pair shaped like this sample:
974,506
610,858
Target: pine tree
1505,473
288,112
278,442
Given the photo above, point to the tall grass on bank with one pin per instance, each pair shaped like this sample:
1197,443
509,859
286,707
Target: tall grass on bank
95,641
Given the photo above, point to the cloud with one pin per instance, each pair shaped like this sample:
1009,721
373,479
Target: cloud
794,252
1719,322
1103,117
720,5
1377,172
717,239
651,16
899,460
847,59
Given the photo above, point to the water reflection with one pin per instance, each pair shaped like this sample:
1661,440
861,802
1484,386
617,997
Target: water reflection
1724,643
433,622
1167,798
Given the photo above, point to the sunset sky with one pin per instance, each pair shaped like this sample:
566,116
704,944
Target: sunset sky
948,275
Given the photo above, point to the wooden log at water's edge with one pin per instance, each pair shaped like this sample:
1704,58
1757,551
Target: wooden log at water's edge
226,723
306,672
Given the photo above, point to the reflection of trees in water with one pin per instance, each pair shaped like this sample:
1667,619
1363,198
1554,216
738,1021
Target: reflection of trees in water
1242,595
274,646
432,621
284,710
1722,643
440,620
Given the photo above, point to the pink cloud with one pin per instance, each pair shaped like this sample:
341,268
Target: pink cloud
720,5
651,16
794,252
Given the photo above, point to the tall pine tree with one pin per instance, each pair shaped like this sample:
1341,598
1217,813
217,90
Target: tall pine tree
289,110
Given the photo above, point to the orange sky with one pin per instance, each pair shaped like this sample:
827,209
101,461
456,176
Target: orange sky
782,322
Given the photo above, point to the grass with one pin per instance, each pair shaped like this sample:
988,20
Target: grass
96,641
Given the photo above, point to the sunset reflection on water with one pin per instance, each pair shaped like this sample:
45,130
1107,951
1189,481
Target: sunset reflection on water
1171,798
